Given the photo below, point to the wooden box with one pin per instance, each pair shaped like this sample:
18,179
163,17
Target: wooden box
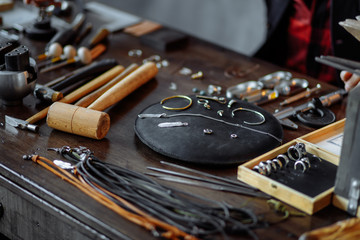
309,191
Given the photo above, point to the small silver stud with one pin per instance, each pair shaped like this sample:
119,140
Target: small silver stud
208,131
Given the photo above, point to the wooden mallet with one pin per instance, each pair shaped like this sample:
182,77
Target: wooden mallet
91,121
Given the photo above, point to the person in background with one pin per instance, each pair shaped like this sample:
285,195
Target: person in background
300,30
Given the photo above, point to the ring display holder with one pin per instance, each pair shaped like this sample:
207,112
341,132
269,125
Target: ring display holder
309,191
206,132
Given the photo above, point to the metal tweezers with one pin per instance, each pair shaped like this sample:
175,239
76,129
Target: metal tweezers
216,183
340,63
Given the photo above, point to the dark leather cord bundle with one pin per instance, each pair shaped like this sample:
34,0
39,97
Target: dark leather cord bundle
166,212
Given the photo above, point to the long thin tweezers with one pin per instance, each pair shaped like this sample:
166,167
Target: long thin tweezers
212,181
209,185
238,183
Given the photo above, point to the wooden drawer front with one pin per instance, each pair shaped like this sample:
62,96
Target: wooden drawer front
27,216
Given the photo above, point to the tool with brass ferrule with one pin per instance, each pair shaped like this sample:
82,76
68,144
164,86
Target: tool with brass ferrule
301,95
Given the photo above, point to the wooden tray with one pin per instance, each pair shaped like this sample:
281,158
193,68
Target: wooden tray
310,191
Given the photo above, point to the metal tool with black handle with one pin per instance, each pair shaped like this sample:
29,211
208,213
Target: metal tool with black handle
87,72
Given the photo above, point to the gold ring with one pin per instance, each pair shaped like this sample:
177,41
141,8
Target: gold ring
177,96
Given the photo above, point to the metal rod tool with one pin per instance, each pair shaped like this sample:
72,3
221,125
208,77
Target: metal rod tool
213,186
340,63
237,183
301,95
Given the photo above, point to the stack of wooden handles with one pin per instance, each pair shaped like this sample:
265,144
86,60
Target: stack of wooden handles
86,118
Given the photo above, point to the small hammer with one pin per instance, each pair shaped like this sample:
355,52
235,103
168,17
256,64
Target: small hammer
90,121
70,98
50,92
46,93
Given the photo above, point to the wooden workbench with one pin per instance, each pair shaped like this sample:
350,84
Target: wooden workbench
39,205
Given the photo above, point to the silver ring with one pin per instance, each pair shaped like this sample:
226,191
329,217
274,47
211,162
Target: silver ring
294,153
250,110
306,160
272,165
278,162
259,170
304,167
266,167
316,157
301,147
283,159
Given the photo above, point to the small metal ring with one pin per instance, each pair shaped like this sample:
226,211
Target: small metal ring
202,101
316,157
272,165
233,136
205,103
278,162
250,110
301,147
231,102
266,167
294,153
306,160
177,96
259,170
304,167
283,159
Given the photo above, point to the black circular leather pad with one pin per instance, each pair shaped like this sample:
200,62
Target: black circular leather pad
190,143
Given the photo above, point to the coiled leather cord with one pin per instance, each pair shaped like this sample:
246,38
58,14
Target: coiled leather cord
166,212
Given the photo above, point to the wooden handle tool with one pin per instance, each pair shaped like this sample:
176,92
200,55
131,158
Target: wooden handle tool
126,86
88,99
82,91
78,120
91,122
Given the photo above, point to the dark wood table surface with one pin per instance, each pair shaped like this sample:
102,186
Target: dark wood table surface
39,205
